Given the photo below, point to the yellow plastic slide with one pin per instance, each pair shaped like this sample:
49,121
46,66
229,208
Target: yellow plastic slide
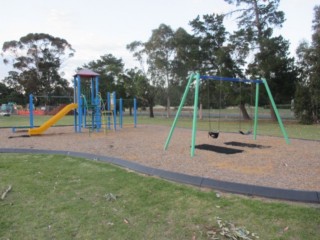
53,120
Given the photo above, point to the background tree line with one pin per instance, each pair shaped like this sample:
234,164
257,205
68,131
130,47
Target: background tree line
168,56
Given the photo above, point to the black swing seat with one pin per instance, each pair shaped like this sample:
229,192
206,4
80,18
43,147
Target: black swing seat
243,133
213,134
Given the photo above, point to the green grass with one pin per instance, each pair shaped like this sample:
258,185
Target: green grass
19,120
60,197
265,127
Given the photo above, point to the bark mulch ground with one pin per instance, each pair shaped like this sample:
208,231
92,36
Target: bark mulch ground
267,161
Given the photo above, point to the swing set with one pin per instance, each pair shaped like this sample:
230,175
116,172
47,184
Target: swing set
215,134
195,78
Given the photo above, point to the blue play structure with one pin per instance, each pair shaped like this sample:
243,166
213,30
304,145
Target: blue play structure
86,89
91,110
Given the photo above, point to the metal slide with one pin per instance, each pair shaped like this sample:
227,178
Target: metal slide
53,120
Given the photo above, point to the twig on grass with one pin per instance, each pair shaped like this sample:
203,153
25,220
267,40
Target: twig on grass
6,192
110,197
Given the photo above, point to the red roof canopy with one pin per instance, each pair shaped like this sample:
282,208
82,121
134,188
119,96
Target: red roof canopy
86,73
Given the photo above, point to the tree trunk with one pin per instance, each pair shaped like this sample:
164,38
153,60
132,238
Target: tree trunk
168,106
244,112
272,113
130,111
151,115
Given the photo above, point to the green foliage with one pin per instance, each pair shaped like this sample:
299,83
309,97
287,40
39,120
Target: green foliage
37,58
218,56
8,94
136,84
111,70
259,16
303,105
164,59
277,67
256,20
214,56
308,106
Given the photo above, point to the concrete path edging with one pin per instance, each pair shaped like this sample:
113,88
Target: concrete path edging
232,187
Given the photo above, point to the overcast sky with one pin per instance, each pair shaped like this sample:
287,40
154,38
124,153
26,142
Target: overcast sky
99,27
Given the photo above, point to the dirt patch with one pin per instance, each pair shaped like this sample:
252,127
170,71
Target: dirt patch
267,161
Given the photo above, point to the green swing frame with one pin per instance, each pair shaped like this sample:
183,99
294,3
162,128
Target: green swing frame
195,77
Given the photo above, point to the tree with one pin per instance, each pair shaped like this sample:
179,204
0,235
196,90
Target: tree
186,59
187,55
256,20
158,59
4,93
138,85
307,98
110,69
279,69
36,59
212,36
220,54
145,86
160,51
10,95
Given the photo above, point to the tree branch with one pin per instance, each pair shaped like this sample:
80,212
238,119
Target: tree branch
235,11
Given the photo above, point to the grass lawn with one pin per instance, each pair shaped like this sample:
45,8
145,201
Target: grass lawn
19,120
265,127
61,197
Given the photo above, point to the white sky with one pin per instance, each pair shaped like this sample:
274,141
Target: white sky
99,27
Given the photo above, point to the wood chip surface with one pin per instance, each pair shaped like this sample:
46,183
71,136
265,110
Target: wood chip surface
267,161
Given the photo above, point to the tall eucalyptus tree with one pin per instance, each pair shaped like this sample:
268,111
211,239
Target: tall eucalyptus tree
256,20
307,99
36,60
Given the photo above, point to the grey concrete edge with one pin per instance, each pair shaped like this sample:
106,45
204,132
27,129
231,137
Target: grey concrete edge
232,187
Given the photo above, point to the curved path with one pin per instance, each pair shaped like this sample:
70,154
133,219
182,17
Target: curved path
239,188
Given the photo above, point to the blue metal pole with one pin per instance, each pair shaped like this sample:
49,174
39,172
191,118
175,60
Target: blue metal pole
135,112
92,88
114,110
92,103
120,112
108,108
85,108
79,104
228,79
98,104
31,110
75,101
97,86
255,128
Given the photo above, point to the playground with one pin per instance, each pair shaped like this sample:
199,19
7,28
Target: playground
267,161
251,159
